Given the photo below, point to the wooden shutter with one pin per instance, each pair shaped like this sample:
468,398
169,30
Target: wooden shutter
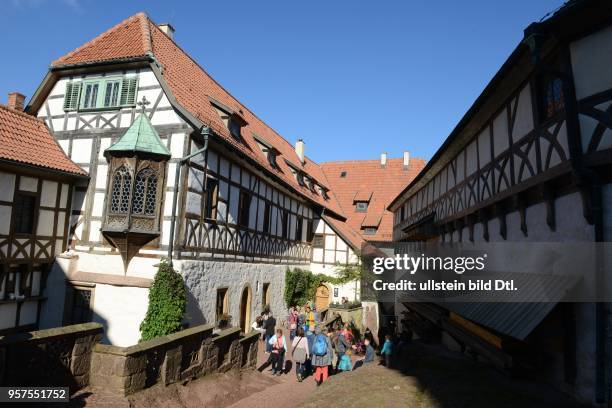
128,91
71,97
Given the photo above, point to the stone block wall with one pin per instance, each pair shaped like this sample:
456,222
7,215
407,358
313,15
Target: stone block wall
174,358
52,357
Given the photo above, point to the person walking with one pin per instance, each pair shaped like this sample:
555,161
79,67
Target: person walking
279,348
321,355
310,318
292,322
269,327
342,345
299,353
387,350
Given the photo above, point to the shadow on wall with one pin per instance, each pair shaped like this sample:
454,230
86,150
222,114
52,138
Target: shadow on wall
67,302
193,313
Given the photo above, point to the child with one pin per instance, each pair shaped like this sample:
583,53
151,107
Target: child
345,363
369,352
279,347
387,350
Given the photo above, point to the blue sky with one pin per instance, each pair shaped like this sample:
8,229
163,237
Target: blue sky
352,78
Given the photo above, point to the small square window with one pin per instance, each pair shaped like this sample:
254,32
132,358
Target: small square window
361,206
369,231
343,174
318,241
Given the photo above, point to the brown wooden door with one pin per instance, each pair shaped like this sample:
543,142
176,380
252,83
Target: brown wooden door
322,298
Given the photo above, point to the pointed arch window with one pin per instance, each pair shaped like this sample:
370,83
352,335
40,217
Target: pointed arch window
122,189
145,192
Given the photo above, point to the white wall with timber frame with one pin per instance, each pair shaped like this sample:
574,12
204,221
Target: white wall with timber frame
330,250
26,257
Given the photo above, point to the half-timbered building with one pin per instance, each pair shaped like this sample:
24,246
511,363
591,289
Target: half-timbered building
529,162
178,168
363,189
36,184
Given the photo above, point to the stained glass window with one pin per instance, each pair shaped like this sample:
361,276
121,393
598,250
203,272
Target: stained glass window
555,100
145,192
122,187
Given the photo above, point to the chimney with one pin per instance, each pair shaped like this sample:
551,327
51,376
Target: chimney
299,150
406,160
167,29
383,159
15,101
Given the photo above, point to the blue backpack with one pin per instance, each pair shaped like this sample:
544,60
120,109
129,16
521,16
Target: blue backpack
320,346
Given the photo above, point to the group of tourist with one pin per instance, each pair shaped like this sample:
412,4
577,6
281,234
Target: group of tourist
315,348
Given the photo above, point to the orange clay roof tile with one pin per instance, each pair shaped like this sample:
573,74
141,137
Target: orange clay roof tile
26,139
192,88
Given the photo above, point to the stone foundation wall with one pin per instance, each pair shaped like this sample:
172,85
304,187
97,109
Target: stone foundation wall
174,358
203,278
52,357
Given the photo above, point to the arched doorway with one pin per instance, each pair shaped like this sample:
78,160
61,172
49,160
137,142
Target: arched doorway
245,309
322,297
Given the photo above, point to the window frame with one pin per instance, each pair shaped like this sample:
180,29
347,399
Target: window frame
370,231
211,195
102,83
18,207
315,241
244,208
224,307
132,200
359,206
130,190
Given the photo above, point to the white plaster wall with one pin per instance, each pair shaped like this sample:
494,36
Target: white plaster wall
120,310
591,61
52,312
112,264
203,278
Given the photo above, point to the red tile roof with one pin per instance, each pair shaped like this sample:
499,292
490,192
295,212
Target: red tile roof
192,88
26,139
365,177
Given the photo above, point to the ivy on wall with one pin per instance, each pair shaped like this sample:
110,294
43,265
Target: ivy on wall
301,285
167,303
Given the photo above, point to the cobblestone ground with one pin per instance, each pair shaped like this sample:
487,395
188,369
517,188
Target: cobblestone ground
431,377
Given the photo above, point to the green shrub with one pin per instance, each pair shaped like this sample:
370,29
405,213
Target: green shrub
167,303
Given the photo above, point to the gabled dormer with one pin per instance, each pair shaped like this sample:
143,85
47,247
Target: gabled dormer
268,150
137,173
231,119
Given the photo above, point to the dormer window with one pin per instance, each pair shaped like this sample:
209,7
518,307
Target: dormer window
369,231
300,178
234,127
361,200
361,206
324,193
268,150
311,185
231,119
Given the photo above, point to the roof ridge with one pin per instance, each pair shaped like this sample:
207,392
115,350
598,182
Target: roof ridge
226,91
99,37
146,30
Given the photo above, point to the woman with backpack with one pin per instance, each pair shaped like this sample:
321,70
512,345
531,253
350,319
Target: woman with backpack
279,348
321,355
299,353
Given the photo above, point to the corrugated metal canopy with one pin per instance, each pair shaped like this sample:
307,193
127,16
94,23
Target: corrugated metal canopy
516,319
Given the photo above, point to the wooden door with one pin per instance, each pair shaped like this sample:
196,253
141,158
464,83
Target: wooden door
322,298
